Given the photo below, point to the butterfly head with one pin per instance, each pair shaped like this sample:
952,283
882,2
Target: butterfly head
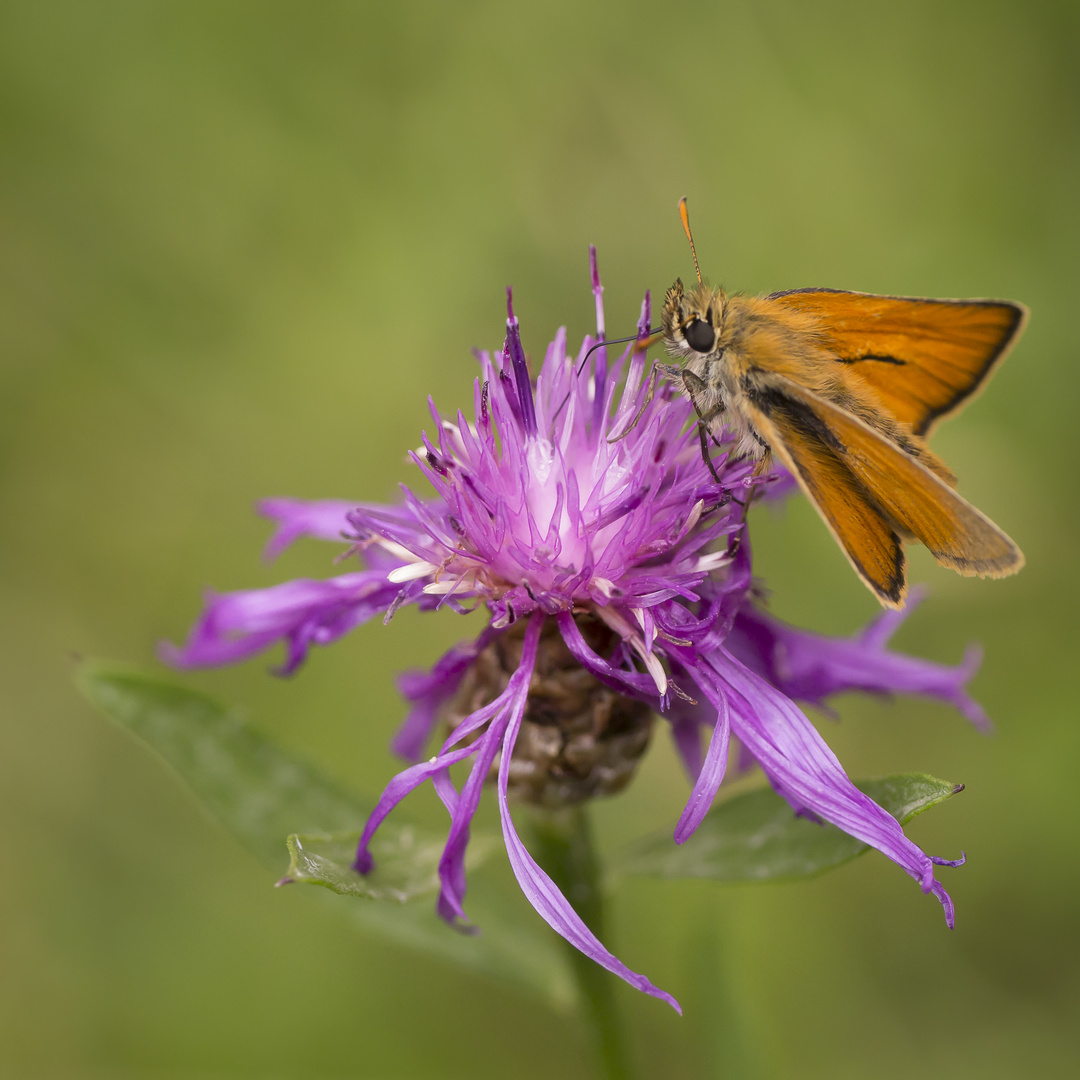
693,322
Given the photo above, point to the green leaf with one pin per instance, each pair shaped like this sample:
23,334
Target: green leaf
258,792
406,865
261,794
410,869
757,837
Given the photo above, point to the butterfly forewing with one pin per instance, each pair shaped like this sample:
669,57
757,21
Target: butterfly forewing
921,358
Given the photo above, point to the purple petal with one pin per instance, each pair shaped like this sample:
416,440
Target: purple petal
428,691
711,774
937,860
686,732
631,683
522,379
798,762
598,291
539,889
400,786
444,788
511,700
235,626
631,389
600,361
811,667
325,518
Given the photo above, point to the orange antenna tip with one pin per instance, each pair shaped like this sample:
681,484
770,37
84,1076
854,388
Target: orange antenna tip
686,229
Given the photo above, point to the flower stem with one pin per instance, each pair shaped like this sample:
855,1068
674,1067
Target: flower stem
564,848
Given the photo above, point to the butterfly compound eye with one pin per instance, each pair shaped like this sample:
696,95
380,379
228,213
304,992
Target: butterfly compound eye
699,335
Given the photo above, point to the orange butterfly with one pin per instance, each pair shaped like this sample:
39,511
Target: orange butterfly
843,387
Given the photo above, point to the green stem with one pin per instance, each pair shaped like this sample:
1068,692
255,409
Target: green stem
565,850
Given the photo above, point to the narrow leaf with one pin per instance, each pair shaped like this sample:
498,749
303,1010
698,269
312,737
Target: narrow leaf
757,837
257,791
406,864
411,870
261,794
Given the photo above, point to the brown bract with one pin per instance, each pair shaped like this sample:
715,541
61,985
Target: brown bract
579,738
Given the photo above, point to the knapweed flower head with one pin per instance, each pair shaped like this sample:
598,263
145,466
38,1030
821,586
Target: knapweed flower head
616,572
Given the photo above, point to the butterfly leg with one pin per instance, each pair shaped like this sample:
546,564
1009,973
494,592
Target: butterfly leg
703,436
735,539
696,389
652,382
760,466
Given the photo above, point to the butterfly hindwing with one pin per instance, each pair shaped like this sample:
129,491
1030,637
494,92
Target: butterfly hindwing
862,531
908,495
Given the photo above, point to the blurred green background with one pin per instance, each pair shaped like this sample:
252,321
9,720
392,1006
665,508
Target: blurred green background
239,245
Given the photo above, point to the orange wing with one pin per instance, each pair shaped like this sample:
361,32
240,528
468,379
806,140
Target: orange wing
922,358
866,537
868,490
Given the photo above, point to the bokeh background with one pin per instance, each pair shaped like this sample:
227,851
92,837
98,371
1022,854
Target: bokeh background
241,242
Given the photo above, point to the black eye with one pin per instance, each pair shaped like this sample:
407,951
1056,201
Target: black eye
700,336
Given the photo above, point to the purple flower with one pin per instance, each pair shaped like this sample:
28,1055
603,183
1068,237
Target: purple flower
617,575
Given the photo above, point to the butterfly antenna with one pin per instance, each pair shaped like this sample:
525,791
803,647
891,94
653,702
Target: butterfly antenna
686,228
645,339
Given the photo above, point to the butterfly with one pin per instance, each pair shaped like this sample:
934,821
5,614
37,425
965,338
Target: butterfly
844,388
